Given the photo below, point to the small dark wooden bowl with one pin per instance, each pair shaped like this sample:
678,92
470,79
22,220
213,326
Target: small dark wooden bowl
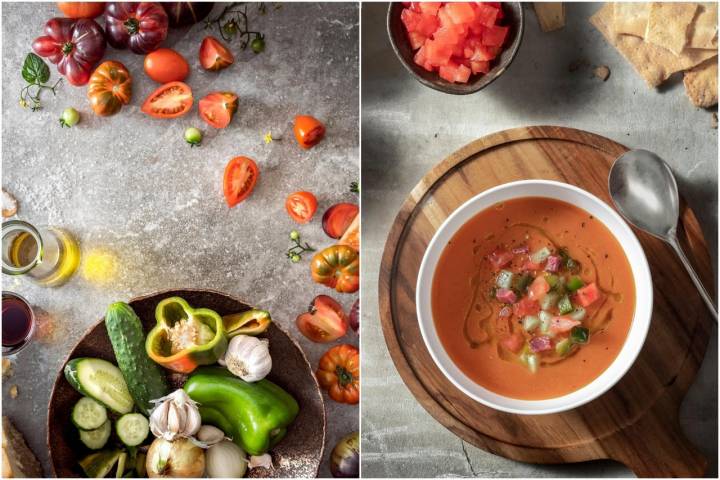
298,455
514,18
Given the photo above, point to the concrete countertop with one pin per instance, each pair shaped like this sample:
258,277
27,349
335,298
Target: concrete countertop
408,128
129,185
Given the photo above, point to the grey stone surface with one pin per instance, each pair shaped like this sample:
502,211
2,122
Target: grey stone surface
408,128
131,186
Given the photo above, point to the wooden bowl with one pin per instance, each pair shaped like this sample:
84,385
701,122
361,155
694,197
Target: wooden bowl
514,18
298,455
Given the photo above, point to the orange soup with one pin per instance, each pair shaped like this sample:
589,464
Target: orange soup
533,298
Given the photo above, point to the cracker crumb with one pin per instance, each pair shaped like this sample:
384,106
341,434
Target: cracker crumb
713,121
13,391
602,72
7,368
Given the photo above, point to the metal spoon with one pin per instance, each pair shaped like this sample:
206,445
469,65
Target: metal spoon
644,190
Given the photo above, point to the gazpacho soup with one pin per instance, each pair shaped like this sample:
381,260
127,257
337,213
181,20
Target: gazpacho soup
533,298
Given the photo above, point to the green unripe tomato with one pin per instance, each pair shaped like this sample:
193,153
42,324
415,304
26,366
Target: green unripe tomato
258,44
69,118
193,136
294,235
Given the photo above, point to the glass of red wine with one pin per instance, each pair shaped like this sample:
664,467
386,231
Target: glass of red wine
18,323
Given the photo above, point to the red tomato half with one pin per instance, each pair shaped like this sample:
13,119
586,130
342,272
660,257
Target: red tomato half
171,100
301,206
214,55
241,175
325,320
218,108
338,218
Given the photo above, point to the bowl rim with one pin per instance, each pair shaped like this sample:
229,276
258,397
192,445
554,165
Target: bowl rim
60,375
450,88
628,353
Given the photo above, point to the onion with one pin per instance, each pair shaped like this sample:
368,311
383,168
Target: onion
226,460
179,458
345,458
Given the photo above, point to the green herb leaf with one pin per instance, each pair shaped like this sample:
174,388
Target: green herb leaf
35,70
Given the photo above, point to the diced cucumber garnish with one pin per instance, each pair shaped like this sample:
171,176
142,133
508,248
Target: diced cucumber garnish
574,283
565,305
88,414
132,429
504,279
530,323
563,347
578,314
552,280
532,362
549,300
96,439
540,255
545,321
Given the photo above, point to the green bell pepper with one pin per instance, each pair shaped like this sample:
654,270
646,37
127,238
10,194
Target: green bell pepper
185,337
255,415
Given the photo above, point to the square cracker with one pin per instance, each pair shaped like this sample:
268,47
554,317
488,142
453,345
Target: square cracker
653,63
703,29
630,18
668,24
701,84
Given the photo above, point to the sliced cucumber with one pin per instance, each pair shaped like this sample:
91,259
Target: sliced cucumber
96,439
120,471
99,464
102,381
88,414
132,429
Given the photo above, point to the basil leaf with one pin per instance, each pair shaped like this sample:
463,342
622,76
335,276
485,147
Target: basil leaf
35,70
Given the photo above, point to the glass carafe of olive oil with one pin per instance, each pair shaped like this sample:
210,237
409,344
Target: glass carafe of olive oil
48,255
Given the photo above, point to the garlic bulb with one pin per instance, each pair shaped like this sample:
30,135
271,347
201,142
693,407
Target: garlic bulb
248,358
175,416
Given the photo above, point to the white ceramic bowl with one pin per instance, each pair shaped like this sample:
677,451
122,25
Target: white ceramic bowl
633,251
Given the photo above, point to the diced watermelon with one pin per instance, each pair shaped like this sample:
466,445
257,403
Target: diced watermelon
538,288
419,22
460,12
417,40
587,295
421,60
513,342
526,307
486,14
480,67
494,36
437,54
431,8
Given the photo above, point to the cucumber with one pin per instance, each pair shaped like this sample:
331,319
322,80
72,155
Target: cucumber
100,380
96,439
99,464
122,458
145,379
88,414
132,429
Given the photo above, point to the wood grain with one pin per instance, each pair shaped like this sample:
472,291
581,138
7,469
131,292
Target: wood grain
636,422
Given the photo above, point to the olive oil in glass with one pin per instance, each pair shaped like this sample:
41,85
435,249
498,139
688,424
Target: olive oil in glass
48,255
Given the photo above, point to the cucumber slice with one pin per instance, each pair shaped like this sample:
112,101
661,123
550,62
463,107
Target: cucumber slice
132,429
100,380
88,414
99,464
96,439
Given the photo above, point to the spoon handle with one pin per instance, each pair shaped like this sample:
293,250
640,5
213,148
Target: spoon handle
673,241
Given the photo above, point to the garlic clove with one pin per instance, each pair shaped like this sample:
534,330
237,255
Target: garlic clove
261,461
210,435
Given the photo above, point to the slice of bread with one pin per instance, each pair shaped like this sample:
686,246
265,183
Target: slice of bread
18,461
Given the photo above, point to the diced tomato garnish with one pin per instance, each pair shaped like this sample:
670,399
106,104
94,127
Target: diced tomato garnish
494,36
587,295
531,266
486,14
449,35
437,54
421,60
506,295
513,342
526,307
460,12
562,324
431,8
538,288
500,258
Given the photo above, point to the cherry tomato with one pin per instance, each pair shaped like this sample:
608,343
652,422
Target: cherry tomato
165,65
241,175
218,108
338,218
214,55
81,9
301,206
171,100
308,131
324,321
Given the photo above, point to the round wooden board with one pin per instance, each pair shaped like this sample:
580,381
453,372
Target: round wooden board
636,422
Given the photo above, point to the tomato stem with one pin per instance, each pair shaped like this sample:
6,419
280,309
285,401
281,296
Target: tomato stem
344,377
132,25
67,48
295,252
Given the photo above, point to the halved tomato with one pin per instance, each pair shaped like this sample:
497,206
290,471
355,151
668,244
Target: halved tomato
324,321
218,108
241,175
351,237
338,218
214,55
301,206
308,131
171,100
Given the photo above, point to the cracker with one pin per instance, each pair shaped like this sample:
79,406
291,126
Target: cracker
668,24
630,18
701,84
653,63
703,29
